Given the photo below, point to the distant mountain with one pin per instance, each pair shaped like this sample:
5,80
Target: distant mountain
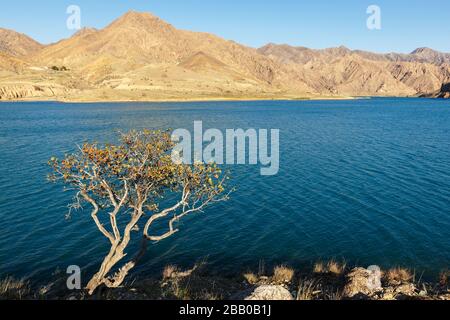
430,56
140,51
289,53
16,44
354,72
141,39
141,57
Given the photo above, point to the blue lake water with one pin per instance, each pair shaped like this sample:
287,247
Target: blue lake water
364,180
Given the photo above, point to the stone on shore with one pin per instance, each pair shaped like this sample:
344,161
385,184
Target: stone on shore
268,292
362,282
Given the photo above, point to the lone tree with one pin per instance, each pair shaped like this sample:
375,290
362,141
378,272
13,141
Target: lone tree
125,185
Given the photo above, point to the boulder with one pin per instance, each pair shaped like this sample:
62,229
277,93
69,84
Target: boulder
363,282
274,293
407,289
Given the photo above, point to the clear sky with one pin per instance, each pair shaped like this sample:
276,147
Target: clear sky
406,25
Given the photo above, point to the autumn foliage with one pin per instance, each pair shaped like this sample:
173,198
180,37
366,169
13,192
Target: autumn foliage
130,187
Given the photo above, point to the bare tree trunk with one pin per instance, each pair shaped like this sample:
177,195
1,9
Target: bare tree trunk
101,277
116,254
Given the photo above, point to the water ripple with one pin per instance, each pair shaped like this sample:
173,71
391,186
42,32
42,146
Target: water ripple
366,180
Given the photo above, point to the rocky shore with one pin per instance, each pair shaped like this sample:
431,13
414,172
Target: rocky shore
326,281
443,93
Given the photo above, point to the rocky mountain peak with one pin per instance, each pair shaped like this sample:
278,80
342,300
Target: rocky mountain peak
139,20
84,32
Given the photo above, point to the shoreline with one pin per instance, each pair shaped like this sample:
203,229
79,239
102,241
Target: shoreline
195,99
327,280
180,100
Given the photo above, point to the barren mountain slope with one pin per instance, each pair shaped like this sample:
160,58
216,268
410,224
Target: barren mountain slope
17,44
137,40
343,71
353,75
287,53
11,64
141,57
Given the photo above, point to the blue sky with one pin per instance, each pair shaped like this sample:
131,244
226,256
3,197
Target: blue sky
406,25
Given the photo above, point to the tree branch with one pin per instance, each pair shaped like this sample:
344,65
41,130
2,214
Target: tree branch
94,216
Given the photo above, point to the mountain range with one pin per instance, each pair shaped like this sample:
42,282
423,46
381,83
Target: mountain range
141,57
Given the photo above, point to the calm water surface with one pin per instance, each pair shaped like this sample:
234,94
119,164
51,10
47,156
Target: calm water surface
364,180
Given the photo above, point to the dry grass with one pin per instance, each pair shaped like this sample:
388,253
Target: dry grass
335,295
333,267
336,268
180,290
173,272
319,267
398,276
283,274
175,286
207,295
193,284
251,278
11,289
169,272
308,289
443,278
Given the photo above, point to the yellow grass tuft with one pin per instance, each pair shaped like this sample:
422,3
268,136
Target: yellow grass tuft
251,278
169,272
332,267
319,267
283,274
398,276
335,267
